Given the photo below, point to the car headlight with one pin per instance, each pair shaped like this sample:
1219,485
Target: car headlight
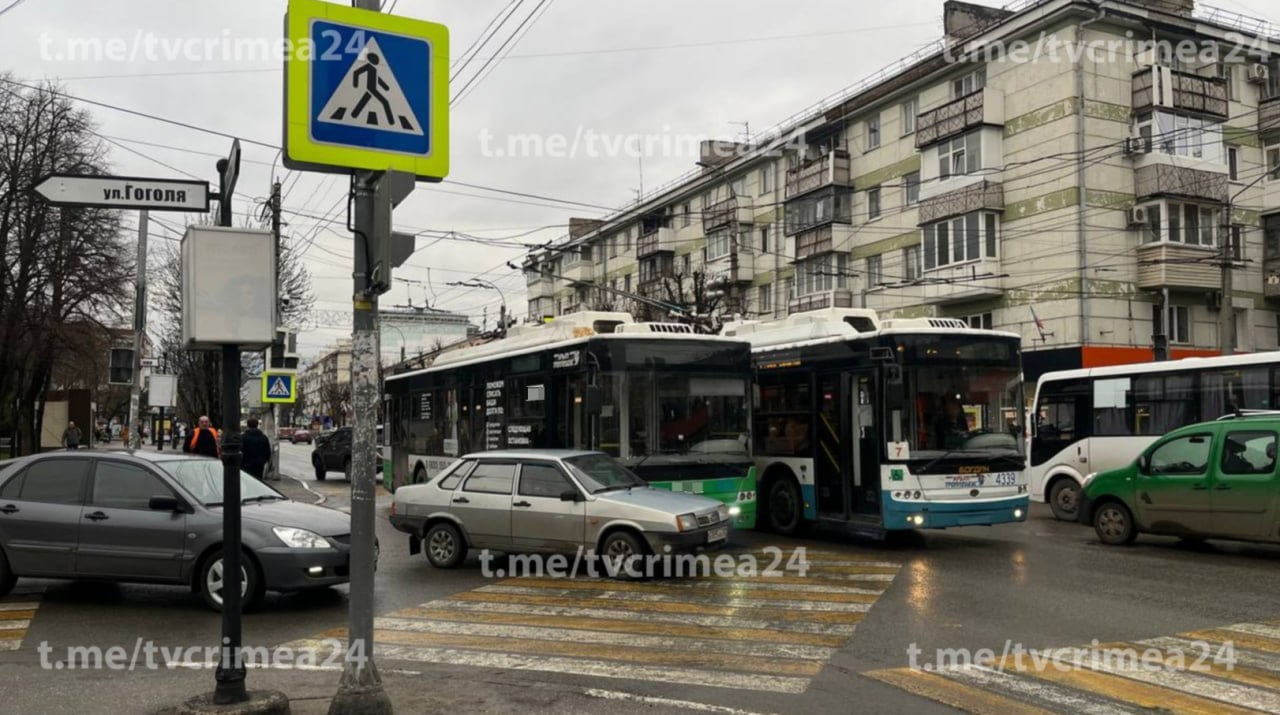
724,513
300,538
686,522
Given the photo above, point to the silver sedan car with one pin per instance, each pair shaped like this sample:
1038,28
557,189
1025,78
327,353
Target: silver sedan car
552,501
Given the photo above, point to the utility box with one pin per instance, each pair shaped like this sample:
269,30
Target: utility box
228,288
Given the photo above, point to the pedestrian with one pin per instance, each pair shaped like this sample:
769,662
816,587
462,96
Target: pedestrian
203,440
71,436
255,449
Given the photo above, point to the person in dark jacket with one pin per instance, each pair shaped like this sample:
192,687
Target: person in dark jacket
255,448
203,440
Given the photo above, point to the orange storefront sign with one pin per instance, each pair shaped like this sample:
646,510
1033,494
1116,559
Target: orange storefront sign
1104,355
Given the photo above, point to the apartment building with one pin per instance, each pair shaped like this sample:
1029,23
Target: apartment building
324,386
1086,197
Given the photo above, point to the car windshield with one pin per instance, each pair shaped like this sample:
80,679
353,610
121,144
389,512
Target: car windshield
203,479
601,473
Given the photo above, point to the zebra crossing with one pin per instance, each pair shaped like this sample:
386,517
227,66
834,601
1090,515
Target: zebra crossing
16,612
757,632
1234,669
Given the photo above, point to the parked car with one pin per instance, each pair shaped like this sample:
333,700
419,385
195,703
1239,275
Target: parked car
1213,480
332,453
551,501
150,517
300,435
285,433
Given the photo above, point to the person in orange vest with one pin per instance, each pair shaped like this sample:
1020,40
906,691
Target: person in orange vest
203,440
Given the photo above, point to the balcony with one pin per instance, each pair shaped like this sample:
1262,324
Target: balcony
1269,118
579,271
1161,87
541,286
831,169
984,107
662,240
1174,265
816,242
839,298
726,213
967,281
736,267
1159,174
977,195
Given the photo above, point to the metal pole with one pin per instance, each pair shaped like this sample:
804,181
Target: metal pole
1226,313
139,325
230,675
272,425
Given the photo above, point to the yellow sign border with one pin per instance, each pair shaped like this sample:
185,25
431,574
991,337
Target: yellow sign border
301,151
266,382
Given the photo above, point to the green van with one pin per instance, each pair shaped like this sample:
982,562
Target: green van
1213,480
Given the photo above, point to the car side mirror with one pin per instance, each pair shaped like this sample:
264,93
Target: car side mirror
1144,464
571,495
165,503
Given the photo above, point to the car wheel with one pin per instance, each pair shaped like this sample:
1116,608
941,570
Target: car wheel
1114,524
211,580
1064,499
318,464
346,468
444,546
623,551
783,507
7,579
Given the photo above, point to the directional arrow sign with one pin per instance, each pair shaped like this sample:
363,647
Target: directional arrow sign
124,192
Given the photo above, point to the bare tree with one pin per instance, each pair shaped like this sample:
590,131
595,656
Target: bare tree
62,268
696,299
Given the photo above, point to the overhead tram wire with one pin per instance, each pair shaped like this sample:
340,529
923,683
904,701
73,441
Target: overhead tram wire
514,37
481,40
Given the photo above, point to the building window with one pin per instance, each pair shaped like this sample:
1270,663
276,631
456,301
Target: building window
626,283
1273,162
1178,222
968,84
1240,327
817,209
718,245
873,203
738,187
873,132
613,245
821,274
705,201
910,109
911,189
1237,242
911,263
960,155
686,213
1181,135
766,299
688,264
790,287
979,322
764,239
1233,163
766,180
1177,327
960,240
875,275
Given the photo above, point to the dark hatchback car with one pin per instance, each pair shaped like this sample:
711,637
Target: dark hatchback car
332,453
157,518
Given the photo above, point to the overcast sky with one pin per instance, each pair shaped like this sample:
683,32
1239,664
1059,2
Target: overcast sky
664,67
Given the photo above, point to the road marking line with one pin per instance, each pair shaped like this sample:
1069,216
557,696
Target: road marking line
1202,663
731,602
646,627
18,606
1177,680
691,584
957,695
834,580
574,632
1038,693
24,615
1238,639
688,619
697,590
1257,629
9,644
578,649
665,702
823,557
1123,689
1247,658
6,626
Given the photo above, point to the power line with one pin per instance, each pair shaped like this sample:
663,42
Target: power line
11,6
514,37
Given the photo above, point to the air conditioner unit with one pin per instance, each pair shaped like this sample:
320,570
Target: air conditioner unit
1214,300
1138,216
1258,73
1135,145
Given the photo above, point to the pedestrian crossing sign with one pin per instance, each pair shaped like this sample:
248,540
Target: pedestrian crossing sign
279,387
365,91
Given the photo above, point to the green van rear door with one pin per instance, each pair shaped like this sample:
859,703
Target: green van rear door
1247,489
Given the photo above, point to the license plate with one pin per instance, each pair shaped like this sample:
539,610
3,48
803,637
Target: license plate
719,533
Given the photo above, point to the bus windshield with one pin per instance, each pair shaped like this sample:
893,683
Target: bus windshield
953,408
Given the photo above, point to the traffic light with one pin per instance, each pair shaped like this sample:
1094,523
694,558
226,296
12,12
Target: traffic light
283,354
388,249
120,366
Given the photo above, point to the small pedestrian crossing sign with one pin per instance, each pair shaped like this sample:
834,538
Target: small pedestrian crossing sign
279,387
365,90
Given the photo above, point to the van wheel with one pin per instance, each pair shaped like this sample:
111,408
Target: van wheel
1114,524
783,509
444,546
7,579
1064,499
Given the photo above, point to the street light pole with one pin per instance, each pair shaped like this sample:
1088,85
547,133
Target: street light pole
502,311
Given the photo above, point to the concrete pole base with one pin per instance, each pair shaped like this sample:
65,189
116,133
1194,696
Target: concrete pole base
361,701
260,702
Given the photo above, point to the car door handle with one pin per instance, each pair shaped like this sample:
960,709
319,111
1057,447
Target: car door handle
461,500
522,504
1223,487
1199,487
9,509
96,516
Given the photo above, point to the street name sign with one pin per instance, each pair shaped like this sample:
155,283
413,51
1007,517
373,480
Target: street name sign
365,91
124,192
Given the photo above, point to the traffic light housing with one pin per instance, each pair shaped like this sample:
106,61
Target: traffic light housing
120,367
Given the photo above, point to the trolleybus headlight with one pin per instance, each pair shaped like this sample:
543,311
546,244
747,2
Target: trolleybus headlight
734,511
1017,513
917,519
686,522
